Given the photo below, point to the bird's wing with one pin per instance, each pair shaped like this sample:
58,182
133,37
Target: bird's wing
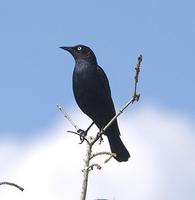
103,80
105,97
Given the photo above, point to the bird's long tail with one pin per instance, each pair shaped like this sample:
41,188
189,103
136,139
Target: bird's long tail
118,147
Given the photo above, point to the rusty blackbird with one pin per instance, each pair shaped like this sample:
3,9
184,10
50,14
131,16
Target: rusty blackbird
93,96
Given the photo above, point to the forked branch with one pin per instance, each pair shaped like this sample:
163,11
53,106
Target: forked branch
91,141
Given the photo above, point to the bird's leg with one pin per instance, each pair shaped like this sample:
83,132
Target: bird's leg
99,136
89,127
83,133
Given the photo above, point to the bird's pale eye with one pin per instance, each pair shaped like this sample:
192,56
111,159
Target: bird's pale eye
79,48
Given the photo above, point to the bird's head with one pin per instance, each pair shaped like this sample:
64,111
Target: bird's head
81,52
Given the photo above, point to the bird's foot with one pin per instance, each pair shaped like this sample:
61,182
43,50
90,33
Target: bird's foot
99,136
82,134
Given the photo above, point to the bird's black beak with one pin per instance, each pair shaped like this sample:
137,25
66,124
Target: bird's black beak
69,49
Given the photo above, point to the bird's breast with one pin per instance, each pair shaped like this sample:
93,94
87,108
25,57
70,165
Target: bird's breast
84,80
91,95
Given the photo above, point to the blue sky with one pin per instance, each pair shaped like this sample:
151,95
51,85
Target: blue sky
35,75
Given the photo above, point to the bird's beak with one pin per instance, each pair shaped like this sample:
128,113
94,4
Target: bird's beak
69,49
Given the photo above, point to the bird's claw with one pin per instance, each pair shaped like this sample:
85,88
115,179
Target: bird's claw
82,134
101,140
99,135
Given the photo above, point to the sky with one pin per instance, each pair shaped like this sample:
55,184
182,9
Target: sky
35,75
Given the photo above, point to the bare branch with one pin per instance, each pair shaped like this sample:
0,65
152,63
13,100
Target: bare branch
90,167
118,114
79,132
131,101
111,156
86,172
12,184
137,70
135,95
103,153
61,109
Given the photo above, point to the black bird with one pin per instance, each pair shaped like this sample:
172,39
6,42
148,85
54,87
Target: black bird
93,96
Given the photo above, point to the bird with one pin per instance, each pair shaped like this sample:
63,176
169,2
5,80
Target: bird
93,95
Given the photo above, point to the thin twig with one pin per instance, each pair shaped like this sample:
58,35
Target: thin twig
61,109
137,70
135,95
102,153
131,101
111,156
90,167
12,184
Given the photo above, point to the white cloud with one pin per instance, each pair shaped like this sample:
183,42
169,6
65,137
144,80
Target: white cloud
161,166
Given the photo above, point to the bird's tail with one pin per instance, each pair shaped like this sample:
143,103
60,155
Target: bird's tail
118,147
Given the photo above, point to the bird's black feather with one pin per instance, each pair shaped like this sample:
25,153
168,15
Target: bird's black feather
93,96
